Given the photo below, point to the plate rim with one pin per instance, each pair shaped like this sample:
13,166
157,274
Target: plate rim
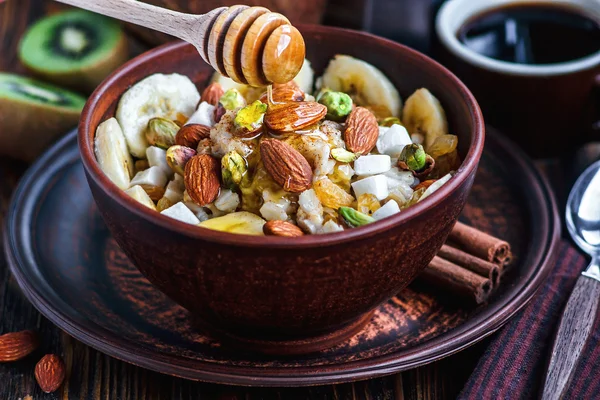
450,342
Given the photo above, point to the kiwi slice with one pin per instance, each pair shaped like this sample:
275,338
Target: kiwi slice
76,49
33,114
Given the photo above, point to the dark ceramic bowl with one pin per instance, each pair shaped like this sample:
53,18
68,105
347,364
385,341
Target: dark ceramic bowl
282,294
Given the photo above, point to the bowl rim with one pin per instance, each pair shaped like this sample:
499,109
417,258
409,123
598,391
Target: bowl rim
86,149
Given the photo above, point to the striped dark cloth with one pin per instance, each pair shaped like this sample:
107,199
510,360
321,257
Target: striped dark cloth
514,363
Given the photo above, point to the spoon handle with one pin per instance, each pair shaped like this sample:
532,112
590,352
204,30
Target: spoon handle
573,332
181,25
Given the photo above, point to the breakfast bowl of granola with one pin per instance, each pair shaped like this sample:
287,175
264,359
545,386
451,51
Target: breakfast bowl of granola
281,217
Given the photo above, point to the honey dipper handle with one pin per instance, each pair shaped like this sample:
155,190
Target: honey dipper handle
188,27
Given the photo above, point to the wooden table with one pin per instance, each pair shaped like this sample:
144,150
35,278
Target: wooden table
92,375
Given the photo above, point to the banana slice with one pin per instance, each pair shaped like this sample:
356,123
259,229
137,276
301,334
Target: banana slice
112,154
139,194
367,85
304,79
424,114
158,95
242,222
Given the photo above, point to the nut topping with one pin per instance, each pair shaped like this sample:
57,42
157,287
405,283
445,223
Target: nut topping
361,131
294,116
281,228
310,162
161,132
249,120
202,179
212,93
284,93
191,135
178,156
286,165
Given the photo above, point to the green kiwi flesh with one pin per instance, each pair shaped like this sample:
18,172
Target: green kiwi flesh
76,49
33,114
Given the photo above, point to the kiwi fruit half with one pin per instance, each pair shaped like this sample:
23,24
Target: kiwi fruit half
33,114
76,49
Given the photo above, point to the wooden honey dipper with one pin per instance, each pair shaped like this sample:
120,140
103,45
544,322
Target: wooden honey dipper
251,45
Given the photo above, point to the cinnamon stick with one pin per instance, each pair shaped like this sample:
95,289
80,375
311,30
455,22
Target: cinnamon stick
457,279
481,244
475,264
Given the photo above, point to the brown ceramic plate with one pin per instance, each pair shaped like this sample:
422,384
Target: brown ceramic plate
70,268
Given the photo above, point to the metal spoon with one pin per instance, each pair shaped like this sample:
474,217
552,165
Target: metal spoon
583,223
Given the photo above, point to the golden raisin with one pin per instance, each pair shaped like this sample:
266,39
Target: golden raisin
331,195
368,203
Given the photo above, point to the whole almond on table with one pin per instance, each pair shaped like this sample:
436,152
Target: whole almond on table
201,179
212,93
282,228
293,116
191,135
362,131
50,372
16,345
286,165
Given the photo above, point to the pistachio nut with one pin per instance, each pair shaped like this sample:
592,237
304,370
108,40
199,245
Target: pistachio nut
354,218
232,99
161,132
233,169
321,94
250,118
343,155
338,104
178,156
413,157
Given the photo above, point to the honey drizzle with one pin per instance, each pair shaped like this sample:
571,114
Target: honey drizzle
270,95
270,100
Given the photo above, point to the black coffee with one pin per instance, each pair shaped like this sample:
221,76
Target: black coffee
532,34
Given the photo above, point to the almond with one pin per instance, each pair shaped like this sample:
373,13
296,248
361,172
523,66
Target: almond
212,93
16,345
202,179
284,93
191,135
361,131
50,373
281,228
293,116
219,112
286,165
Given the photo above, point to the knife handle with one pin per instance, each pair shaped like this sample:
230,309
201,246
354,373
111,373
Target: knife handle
573,332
